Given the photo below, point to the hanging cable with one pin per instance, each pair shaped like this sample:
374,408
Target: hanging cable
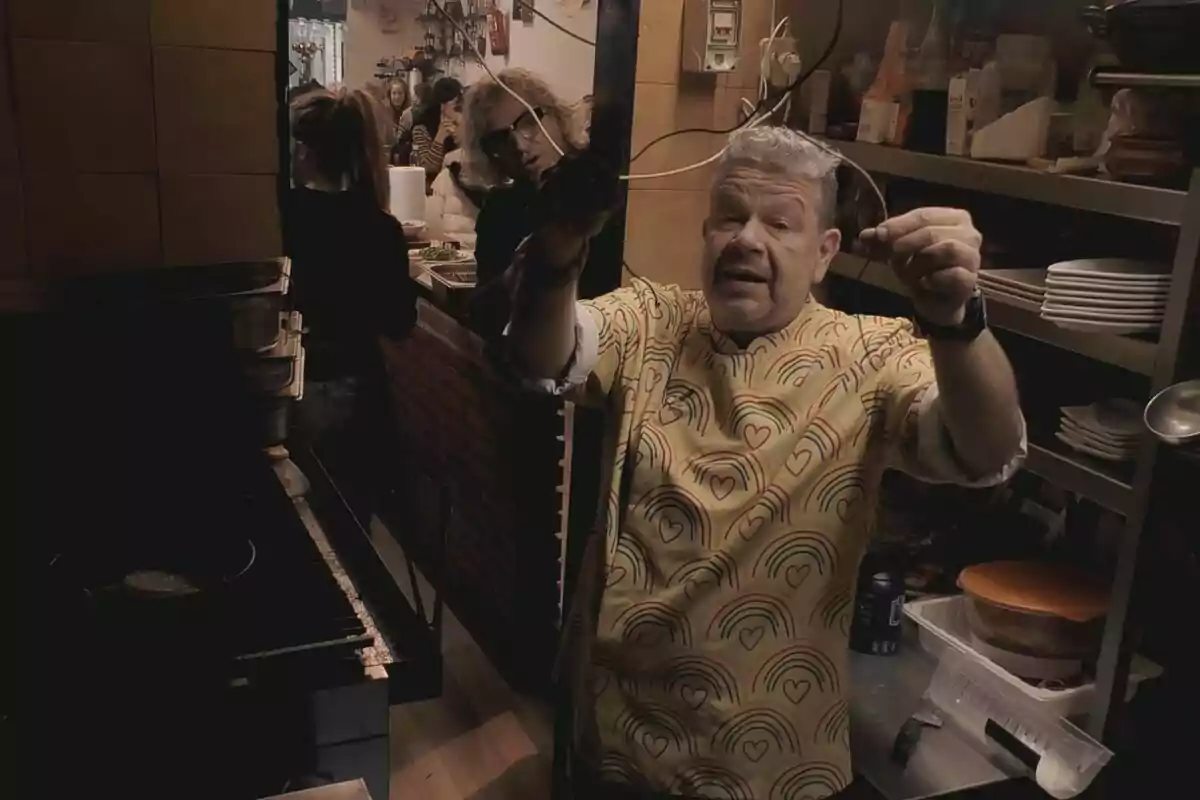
753,119
798,81
537,119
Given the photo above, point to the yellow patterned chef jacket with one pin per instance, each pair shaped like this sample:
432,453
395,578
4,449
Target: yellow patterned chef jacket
709,650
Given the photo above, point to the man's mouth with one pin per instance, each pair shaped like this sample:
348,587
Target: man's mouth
735,273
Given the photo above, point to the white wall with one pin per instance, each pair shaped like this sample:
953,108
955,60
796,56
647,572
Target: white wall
366,43
566,64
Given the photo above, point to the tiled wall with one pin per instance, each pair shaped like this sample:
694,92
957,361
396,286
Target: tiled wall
136,134
664,215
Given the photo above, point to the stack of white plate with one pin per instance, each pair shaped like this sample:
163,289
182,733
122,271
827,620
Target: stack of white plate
1024,288
1107,295
1109,429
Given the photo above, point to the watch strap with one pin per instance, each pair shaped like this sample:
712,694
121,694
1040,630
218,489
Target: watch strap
974,322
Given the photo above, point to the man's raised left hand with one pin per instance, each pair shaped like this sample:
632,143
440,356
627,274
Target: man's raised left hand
935,252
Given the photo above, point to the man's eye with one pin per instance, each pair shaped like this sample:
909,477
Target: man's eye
779,224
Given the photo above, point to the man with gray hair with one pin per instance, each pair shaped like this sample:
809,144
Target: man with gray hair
750,427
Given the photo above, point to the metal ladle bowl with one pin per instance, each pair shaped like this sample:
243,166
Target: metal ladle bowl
1174,413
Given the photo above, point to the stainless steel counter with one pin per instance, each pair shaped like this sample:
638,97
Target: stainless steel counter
886,692
350,790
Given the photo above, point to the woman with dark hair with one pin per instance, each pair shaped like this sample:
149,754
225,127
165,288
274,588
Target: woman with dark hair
435,127
349,272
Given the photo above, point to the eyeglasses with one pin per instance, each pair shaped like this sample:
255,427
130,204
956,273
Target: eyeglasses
499,142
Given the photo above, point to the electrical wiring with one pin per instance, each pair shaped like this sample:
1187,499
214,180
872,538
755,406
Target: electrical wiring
787,91
754,118
536,118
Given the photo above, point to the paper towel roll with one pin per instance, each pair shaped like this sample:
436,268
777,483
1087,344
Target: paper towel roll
407,193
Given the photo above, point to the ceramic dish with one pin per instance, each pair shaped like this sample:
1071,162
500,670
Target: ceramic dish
1096,300
1080,446
1032,305
1101,314
1017,278
1117,416
1123,444
1092,326
1123,269
1107,287
1079,437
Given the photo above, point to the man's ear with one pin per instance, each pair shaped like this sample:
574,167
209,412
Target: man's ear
830,244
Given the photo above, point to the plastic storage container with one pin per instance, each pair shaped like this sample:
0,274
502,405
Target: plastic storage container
943,625
1004,716
1061,758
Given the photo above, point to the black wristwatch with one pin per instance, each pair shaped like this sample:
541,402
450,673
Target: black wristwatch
974,322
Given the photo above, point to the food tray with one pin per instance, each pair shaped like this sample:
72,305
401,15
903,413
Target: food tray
451,284
1018,733
456,275
943,626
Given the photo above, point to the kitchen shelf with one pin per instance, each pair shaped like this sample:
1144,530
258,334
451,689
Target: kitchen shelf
1098,481
1145,79
1137,490
1135,355
1153,204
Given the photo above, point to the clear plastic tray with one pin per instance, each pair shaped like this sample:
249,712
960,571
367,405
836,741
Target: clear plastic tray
1002,713
943,623
1008,725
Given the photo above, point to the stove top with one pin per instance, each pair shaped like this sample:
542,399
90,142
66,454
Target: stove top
145,480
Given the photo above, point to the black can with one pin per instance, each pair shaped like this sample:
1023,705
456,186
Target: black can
878,614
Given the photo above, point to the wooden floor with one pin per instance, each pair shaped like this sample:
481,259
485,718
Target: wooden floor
479,740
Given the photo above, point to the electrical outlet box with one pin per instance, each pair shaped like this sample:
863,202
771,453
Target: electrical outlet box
712,34
782,64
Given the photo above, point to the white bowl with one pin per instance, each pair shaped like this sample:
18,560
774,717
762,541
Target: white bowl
413,228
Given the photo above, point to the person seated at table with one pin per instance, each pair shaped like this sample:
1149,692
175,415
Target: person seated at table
349,265
435,128
506,148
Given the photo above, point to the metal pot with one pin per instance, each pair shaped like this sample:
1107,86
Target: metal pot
1150,35
255,320
1173,415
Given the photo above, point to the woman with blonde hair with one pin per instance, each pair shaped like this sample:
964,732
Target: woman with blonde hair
505,146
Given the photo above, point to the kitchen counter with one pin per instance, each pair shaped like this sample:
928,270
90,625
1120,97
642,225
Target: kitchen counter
886,692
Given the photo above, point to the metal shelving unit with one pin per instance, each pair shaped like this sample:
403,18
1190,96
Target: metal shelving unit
1174,357
1164,206
1135,355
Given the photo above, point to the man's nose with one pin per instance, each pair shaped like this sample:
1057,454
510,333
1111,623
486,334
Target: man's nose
752,236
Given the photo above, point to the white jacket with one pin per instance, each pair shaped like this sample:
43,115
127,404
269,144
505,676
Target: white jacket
448,212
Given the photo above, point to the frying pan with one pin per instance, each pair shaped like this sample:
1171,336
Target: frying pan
160,577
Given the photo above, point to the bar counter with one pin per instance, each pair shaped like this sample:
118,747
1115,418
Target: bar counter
478,505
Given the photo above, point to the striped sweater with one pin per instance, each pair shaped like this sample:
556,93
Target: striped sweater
428,153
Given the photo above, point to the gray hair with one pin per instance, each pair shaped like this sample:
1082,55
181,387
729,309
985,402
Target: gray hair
783,151
486,92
